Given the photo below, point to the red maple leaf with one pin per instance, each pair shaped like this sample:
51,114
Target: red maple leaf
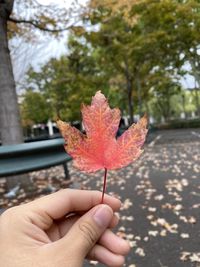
99,148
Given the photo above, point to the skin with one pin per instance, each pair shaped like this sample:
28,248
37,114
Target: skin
62,229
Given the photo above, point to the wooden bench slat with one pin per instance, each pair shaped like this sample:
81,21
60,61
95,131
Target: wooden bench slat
33,146
22,165
23,158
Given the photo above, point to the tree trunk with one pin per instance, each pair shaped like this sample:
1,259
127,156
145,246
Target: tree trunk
130,100
10,127
197,101
129,88
183,104
146,107
11,131
139,95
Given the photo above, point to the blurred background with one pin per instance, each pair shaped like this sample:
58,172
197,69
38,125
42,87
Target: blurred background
144,55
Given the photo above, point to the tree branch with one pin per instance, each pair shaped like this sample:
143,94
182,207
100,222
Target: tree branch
37,25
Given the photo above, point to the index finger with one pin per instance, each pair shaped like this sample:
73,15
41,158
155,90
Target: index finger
58,204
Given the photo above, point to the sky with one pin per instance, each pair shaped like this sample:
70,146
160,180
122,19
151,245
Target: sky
66,3
25,55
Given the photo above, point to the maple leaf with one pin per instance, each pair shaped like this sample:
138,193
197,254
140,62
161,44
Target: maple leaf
99,148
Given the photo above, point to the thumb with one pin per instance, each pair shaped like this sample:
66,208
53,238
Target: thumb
87,230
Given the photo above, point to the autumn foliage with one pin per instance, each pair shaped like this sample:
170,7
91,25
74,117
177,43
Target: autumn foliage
99,148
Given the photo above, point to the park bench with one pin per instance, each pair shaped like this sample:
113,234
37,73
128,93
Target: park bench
27,157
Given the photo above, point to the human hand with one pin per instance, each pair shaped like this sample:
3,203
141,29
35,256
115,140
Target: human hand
61,230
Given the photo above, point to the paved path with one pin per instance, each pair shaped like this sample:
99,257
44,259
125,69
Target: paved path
160,194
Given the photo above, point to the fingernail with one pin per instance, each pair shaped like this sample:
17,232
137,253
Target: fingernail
103,216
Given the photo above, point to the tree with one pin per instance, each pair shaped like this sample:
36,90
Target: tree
175,25
115,40
124,48
50,19
35,108
70,80
165,37
9,112
163,87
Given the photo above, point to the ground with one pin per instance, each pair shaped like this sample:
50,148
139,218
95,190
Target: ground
160,194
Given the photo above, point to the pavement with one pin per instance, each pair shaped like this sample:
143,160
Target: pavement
160,193
161,196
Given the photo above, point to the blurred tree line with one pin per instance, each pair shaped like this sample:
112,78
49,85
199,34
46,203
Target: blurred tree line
134,51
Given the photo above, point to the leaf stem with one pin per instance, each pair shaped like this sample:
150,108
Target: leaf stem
104,185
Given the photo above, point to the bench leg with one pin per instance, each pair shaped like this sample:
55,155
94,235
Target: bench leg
66,171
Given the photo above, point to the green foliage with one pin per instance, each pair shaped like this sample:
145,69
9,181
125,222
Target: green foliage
163,88
154,36
69,81
34,108
135,55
